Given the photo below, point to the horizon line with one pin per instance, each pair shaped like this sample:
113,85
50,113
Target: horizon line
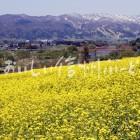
74,13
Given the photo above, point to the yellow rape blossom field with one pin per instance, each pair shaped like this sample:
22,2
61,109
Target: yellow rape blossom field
96,101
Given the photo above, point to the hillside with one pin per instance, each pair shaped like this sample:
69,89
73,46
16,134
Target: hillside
70,26
96,101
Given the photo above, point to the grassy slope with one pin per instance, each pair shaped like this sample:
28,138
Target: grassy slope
89,104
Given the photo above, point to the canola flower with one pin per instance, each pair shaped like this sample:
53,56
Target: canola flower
98,101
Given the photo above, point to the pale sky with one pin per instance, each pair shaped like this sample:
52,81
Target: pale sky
58,7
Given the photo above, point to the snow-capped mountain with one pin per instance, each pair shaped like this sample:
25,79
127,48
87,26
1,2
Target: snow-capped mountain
75,26
121,18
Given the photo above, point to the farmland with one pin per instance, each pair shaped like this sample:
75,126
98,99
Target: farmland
100,100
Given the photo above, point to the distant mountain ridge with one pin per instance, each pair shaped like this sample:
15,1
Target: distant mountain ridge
70,26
